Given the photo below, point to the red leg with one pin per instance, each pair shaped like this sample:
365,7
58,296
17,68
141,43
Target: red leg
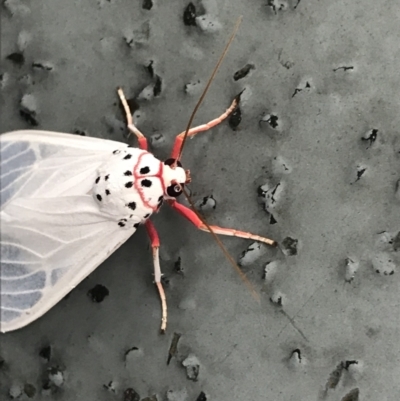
155,245
193,218
195,130
132,127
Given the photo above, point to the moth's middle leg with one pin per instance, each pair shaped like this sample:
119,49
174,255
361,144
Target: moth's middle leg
155,245
195,219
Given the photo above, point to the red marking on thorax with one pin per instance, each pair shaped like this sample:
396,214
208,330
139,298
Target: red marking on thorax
138,177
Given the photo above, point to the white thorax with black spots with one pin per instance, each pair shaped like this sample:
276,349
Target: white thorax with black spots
132,184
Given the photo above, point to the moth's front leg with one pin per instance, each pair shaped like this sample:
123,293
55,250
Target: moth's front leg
131,126
204,127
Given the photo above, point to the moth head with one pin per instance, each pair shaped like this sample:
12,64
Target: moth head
175,178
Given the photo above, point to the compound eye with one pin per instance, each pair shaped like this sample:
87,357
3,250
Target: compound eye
170,162
174,190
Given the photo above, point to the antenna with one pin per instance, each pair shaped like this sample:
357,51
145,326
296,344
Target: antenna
214,73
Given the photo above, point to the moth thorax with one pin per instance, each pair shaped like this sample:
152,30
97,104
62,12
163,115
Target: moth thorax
173,175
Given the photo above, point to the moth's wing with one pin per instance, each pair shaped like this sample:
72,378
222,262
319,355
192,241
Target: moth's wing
52,233
48,246
49,164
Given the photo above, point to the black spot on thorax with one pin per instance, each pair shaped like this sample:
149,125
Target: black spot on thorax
146,183
131,205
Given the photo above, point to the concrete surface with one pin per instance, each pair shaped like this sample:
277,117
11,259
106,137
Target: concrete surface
328,320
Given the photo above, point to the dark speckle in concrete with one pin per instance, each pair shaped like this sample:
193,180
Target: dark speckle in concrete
98,293
131,395
243,72
189,15
17,58
235,118
147,4
45,353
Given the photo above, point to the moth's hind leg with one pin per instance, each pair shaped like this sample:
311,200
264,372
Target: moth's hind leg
204,127
194,218
155,245
131,126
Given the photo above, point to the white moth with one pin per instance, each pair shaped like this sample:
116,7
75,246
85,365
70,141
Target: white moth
68,202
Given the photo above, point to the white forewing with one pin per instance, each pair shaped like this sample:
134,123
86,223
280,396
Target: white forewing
46,164
52,231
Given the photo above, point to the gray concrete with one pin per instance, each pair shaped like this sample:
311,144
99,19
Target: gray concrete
244,348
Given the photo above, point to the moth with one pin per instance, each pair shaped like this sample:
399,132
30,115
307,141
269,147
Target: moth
68,202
